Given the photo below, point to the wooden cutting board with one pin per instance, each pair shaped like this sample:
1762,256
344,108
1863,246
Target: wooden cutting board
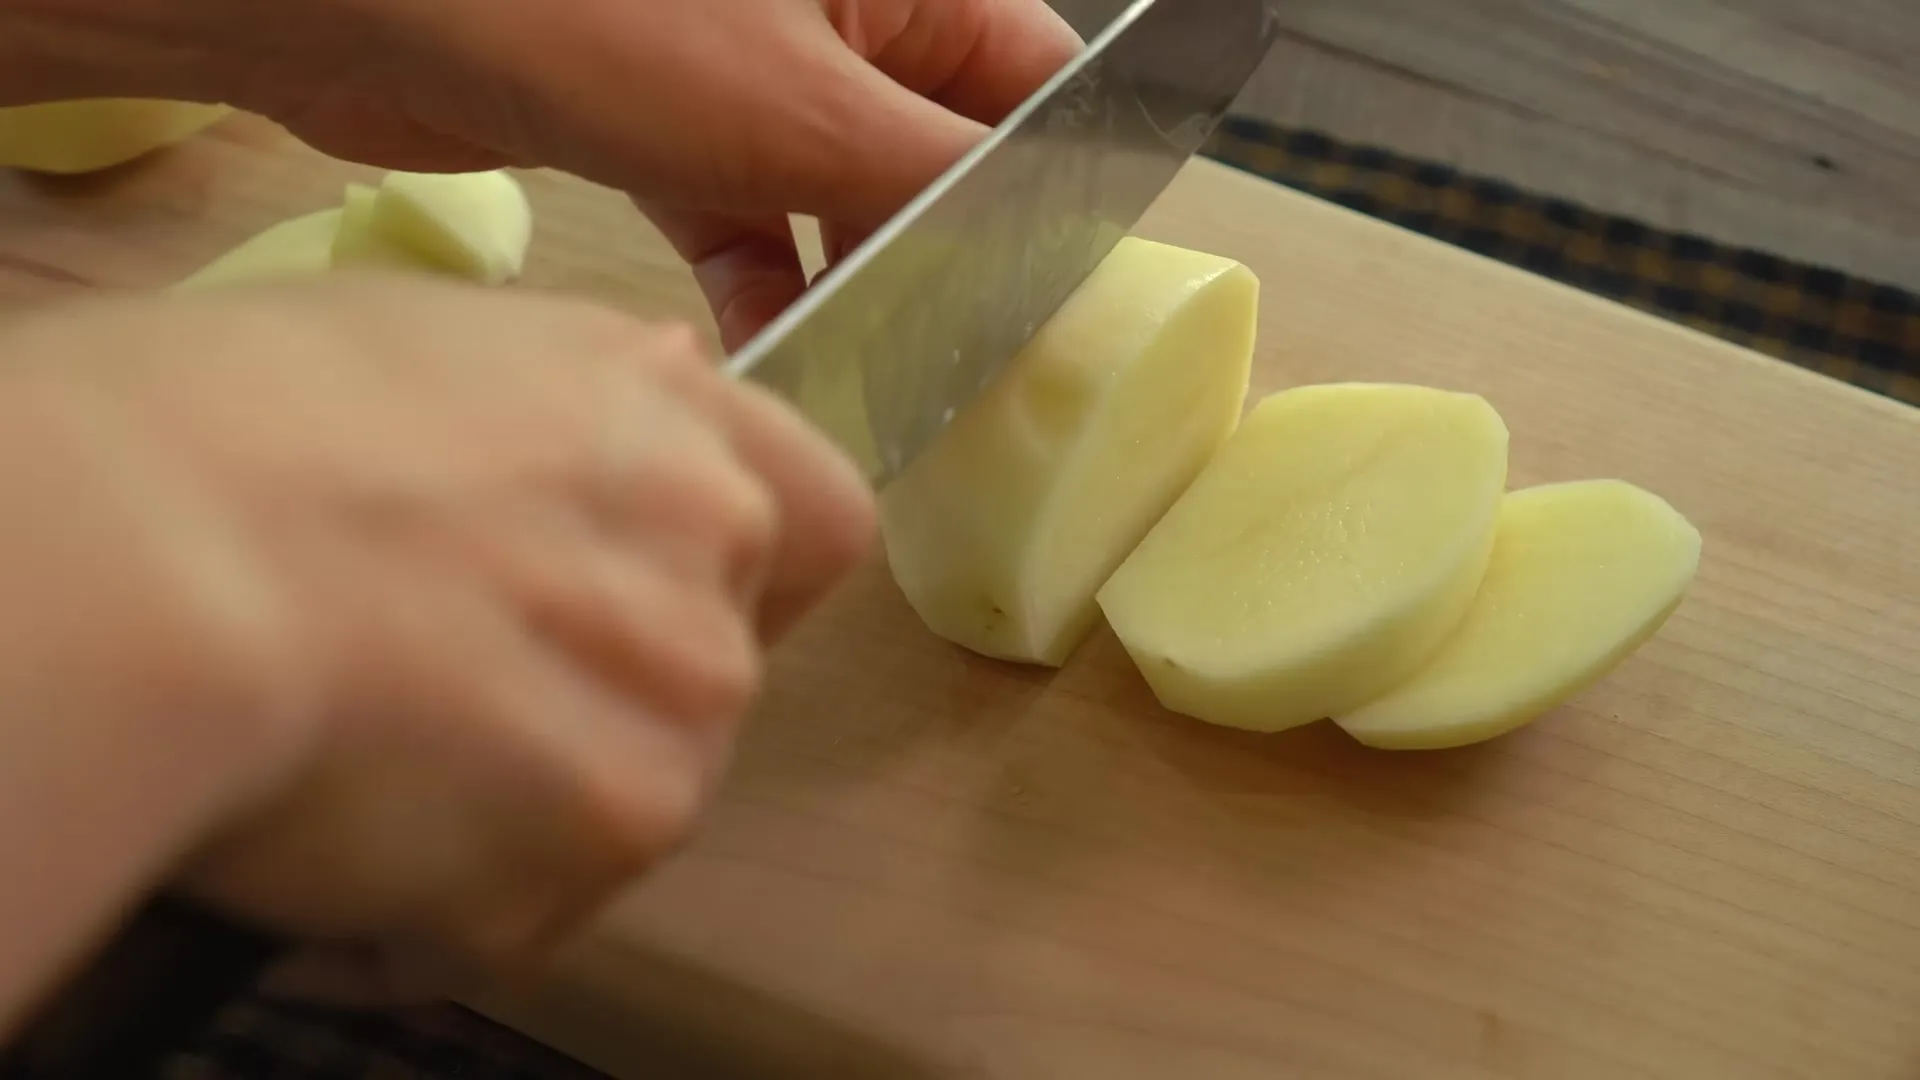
928,864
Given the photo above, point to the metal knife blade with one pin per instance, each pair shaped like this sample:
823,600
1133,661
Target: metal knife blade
899,336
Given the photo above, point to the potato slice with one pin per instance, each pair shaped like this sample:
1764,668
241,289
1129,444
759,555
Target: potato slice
477,225
359,234
67,137
1000,532
1582,574
296,247
1321,558
359,243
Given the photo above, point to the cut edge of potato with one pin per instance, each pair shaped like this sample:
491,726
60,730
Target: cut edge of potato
295,247
1205,413
360,244
980,531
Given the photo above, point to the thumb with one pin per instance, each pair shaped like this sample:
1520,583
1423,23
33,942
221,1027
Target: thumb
925,80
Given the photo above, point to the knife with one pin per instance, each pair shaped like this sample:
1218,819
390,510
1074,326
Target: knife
899,336
884,349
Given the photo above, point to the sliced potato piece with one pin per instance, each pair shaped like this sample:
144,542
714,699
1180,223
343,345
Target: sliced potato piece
1322,556
358,243
1001,532
1582,574
297,247
358,233
477,225
67,137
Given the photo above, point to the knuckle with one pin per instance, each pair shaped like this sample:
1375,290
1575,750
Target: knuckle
634,347
603,324
679,343
640,818
822,486
675,350
744,513
638,804
848,526
718,668
736,518
496,937
509,939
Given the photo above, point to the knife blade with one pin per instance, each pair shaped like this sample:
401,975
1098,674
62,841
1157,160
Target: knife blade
900,335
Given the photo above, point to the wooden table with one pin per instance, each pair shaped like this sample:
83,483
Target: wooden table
927,864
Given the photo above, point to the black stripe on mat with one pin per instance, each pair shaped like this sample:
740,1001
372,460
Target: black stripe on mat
1859,331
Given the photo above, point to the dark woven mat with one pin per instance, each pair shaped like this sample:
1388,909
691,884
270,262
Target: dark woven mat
1859,331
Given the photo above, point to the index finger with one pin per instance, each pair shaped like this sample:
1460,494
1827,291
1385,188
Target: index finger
825,507
980,59
827,513
747,267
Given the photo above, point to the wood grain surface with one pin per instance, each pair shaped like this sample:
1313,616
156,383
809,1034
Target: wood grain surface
927,864
1791,126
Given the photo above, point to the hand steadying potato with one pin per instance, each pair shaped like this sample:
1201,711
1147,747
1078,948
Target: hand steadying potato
445,610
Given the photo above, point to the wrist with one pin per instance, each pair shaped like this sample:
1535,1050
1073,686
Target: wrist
133,595
144,697
142,647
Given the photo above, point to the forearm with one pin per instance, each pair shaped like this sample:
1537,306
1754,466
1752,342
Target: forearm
123,738
52,50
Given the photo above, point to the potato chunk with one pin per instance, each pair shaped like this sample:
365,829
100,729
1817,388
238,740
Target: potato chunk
1321,558
87,135
359,243
475,225
1001,532
471,225
1582,574
297,247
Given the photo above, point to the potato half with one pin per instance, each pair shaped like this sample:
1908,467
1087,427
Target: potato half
1001,532
68,137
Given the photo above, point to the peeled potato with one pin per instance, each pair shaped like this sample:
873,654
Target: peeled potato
96,133
297,247
359,243
1582,574
1000,533
476,225
1322,557
358,234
